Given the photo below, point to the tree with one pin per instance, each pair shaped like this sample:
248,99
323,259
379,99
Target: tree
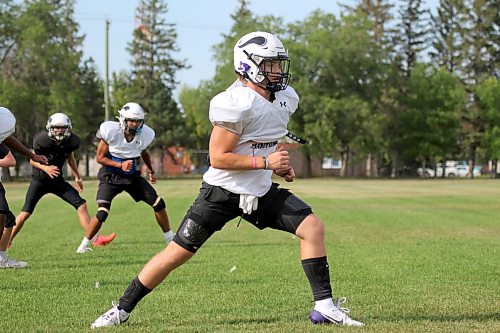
446,37
153,73
413,33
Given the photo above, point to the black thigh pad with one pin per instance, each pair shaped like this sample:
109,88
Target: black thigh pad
191,235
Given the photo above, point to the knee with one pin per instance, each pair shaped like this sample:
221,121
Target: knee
102,212
82,207
159,204
312,228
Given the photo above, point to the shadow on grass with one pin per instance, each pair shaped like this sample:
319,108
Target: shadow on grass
247,321
480,317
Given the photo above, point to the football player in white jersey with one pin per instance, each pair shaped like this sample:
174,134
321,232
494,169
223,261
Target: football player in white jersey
248,120
121,147
7,129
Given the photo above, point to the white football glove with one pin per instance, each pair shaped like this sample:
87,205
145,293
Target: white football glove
248,203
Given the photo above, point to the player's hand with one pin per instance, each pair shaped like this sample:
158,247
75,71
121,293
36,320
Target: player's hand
79,184
279,160
152,178
287,173
40,159
127,165
52,171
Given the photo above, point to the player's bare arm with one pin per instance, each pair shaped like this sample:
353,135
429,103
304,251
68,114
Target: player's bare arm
51,170
222,144
14,144
103,159
147,160
74,167
8,161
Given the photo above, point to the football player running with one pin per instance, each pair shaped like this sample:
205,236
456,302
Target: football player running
7,140
122,145
248,120
58,143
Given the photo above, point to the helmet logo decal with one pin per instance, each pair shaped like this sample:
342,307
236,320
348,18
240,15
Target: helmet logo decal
244,66
256,40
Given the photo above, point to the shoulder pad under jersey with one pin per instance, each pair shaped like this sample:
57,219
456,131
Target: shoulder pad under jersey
292,98
74,141
147,134
107,130
230,105
42,140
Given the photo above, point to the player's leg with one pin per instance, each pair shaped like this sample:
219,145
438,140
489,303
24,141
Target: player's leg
6,261
104,197
141,190
35,192
290,214
69,194
21,218
204,218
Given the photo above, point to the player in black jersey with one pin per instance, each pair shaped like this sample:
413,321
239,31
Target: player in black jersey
57,143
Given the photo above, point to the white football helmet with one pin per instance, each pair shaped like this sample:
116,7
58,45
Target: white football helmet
131,111
7,123
58,120
255,48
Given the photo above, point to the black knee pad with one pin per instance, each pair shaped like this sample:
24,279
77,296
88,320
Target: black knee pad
102,212
10,220
159,204
191,235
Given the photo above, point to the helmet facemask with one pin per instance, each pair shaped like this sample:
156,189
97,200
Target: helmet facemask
267,76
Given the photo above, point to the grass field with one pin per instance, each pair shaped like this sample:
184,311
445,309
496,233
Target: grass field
409,255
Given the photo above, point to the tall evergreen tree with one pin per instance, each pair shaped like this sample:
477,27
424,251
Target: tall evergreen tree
413,33
153,72
448,25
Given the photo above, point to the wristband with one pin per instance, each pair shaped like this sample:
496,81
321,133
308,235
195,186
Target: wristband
254,162
78,179
152,172
46,168
266,162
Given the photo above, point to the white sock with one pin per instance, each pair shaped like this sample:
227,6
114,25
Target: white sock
324,304
169,235
3,254
85,242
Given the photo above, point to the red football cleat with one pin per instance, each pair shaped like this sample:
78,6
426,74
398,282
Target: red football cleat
104,240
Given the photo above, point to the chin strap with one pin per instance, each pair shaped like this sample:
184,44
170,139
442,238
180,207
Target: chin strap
296,138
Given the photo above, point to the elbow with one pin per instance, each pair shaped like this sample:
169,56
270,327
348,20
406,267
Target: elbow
216,162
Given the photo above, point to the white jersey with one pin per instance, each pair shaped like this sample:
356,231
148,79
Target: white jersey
112,133
7,123
260,124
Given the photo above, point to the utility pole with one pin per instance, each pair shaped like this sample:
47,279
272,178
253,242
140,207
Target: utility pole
106,80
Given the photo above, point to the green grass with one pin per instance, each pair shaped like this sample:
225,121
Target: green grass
410,256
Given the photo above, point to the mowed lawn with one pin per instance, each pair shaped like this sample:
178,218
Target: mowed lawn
409,255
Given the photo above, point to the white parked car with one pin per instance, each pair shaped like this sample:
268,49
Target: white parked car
453,169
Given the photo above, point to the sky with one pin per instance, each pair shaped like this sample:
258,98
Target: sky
199,25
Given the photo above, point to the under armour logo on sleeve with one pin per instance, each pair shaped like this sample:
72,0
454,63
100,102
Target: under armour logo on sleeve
283,104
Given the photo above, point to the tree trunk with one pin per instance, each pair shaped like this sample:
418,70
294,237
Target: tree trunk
394,167
345,163
369,161
306,168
